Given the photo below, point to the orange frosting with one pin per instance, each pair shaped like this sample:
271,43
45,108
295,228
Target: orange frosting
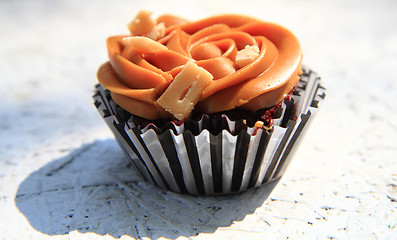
141,69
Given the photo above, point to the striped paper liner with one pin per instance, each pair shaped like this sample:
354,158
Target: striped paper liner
214,156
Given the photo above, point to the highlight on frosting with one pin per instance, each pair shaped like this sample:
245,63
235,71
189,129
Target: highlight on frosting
169,66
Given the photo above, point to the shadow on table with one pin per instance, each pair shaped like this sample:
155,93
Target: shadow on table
94,189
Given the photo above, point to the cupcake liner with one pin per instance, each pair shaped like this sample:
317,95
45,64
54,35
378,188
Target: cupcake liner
214,156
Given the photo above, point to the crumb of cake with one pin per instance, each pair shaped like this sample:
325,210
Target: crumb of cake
258,124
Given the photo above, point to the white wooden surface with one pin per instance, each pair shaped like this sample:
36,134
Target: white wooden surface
62,175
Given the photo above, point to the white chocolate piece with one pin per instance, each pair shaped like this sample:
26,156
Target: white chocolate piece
157,32
184,91
247,55
142,23
144,44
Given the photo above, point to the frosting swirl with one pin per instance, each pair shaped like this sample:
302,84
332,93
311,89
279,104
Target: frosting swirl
254,64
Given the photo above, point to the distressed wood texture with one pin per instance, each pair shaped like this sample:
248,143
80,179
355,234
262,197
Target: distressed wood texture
63,176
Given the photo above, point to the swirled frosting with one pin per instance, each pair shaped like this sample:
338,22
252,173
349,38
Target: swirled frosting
254,64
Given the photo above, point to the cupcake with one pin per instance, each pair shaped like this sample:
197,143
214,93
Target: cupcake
214,106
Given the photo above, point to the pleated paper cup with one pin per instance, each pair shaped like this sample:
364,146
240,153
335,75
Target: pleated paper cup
213,156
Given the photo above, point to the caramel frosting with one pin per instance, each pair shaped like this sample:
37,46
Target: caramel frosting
246,63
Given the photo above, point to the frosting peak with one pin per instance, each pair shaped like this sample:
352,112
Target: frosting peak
253,64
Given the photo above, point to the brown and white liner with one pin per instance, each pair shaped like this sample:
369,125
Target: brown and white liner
214,156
